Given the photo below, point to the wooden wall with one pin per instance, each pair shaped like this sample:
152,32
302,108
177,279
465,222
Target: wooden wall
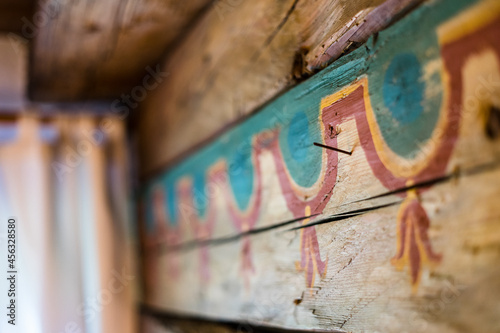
397,232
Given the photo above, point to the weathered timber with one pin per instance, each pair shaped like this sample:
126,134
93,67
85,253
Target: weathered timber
240,56
402,235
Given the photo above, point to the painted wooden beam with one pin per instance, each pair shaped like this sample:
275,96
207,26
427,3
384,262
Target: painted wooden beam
402,234
239,57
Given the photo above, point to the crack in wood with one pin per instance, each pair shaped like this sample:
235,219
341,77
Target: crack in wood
275,32
222,240
453,175
345,215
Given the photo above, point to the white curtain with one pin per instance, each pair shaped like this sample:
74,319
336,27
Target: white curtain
65,180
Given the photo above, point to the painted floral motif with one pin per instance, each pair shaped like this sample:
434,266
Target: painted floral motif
414,247
310,259
407,114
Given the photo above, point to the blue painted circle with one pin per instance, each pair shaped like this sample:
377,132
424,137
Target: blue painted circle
200,198
296,143
406,99
241,174
403,88
298,137
171,202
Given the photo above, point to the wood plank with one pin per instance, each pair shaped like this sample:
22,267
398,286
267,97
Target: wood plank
101,49
418,108
240,56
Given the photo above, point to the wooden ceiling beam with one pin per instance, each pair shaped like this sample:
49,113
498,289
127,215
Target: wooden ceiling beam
99,50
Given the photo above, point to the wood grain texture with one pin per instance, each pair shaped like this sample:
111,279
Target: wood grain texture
98,50
401,235
240,56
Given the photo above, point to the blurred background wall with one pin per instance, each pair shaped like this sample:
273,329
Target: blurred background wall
64,177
